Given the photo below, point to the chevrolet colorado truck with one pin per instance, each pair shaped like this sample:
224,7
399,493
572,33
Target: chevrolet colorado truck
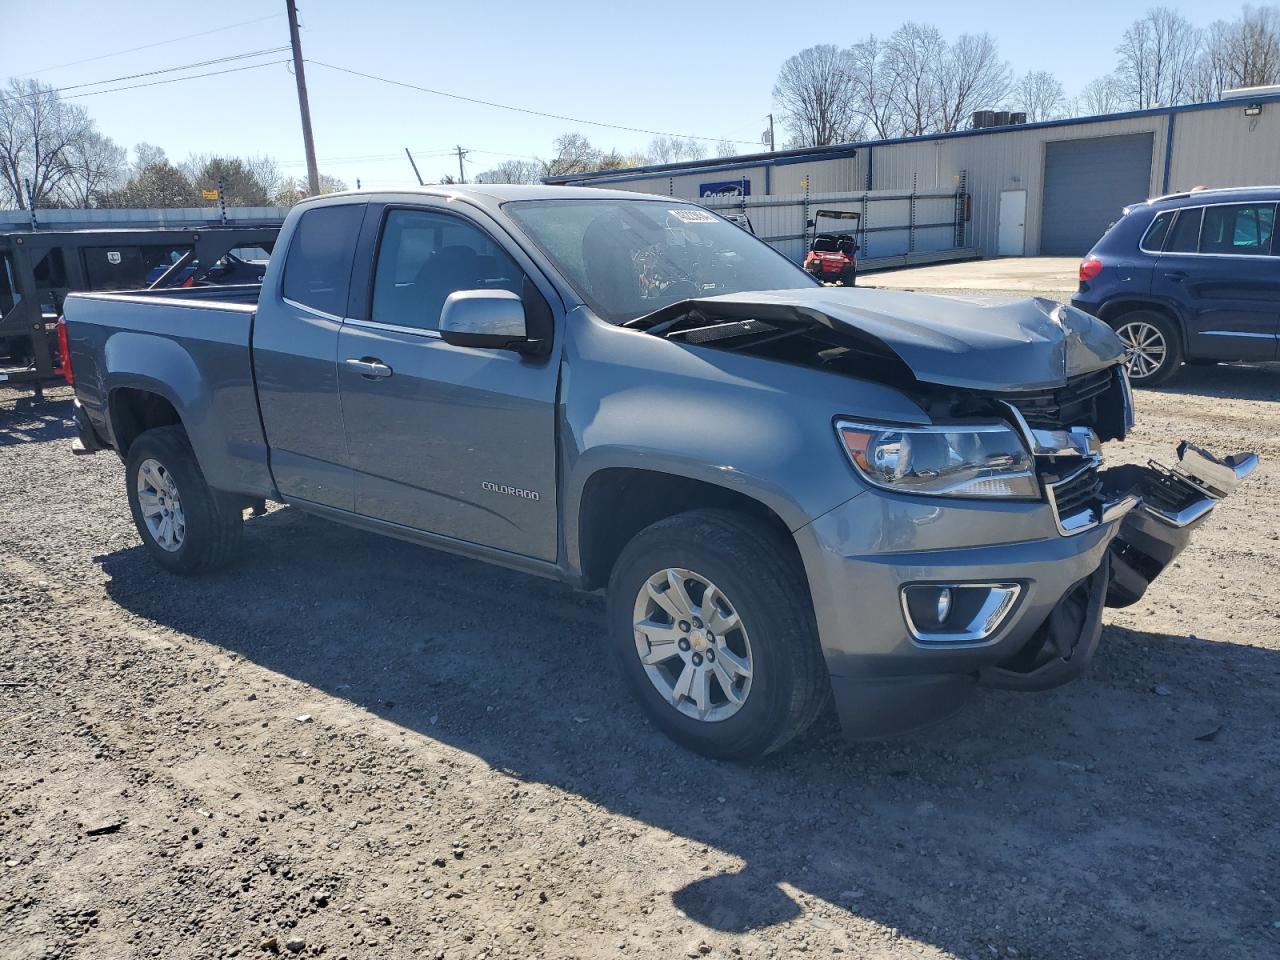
790,493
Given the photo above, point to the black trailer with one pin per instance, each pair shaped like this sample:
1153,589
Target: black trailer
38,268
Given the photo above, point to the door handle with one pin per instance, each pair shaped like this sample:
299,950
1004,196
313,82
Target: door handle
1177,276
370,368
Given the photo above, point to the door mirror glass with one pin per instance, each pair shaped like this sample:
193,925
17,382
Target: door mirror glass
492,319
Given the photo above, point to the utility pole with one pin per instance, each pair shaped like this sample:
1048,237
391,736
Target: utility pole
462,177
771,133
414,165
304,108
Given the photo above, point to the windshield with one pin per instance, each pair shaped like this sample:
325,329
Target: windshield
627,258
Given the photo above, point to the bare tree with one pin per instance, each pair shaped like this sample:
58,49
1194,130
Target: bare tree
915,53
292,190
513,171
1158,56
37,131
873,99
814,90
1041,96
1102,95
574,154
971,77
1248,49
664,149
95,166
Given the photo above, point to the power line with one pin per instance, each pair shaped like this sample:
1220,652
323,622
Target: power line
149,73
525,110
194,76
158,43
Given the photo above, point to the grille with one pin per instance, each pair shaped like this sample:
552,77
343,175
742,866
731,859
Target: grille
1077,492
1073,405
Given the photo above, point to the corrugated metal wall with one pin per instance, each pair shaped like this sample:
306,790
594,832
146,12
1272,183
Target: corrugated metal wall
1011,160
1216,146
1224,148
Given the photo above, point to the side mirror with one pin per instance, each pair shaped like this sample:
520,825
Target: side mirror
488,319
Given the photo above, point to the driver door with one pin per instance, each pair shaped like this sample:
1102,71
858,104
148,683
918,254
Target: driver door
449,440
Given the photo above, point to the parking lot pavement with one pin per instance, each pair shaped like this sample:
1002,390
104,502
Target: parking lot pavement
1051,276
358,747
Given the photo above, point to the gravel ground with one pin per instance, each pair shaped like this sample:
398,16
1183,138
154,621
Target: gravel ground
345,746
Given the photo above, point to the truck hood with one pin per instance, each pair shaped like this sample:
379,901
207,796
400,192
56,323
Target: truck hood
978,343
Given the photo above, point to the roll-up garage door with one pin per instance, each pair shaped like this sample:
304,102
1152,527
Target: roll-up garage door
1086,185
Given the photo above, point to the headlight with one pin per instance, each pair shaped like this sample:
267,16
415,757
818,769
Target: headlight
982,460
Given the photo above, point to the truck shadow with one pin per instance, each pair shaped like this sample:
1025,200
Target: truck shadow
1110,820
29,421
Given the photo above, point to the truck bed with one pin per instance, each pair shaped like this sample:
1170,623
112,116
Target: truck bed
190,346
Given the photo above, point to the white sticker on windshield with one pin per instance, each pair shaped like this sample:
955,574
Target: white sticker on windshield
692,216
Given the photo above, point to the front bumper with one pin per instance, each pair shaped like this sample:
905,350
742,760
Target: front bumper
864,552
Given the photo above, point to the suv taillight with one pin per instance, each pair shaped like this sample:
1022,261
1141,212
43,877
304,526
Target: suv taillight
64,351
1090,267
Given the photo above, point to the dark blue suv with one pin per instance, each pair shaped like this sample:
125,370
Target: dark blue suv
1189,277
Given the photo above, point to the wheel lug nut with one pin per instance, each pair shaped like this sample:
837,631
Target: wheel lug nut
711,654
684,645
684,626
697,623
697,659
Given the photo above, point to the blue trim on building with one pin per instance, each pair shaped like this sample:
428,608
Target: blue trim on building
1168,150
836,151
871,165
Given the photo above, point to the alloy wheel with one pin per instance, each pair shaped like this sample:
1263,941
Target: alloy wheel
1145,348
693,645
161,505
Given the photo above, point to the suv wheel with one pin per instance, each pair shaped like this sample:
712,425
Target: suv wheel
186,526
711,621
1152,346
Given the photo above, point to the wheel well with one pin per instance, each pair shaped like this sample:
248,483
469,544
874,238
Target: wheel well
1112,312
618,503
134,411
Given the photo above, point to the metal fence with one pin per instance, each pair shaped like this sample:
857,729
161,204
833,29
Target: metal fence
892,224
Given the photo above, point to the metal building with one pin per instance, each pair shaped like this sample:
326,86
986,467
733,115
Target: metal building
1047,189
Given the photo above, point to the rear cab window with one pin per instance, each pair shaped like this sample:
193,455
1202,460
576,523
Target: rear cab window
317,271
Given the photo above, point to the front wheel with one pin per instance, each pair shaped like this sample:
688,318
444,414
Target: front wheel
711,621
186,526
1152,346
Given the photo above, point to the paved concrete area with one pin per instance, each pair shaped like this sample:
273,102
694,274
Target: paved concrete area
1020,274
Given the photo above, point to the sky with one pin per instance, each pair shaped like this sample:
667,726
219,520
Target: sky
691,68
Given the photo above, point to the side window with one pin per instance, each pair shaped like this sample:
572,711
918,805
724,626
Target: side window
424,257
1185,235
1153,240
1243,229
317,272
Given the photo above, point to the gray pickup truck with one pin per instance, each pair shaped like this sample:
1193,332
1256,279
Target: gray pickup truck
788,491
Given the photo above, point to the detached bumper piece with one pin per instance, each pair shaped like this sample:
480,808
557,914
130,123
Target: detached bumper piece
1174,501
86,440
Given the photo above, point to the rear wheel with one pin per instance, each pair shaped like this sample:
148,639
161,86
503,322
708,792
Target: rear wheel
186,526
848,277
1152,346
711,621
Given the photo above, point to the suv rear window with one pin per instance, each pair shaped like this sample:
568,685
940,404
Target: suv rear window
317,273
1153,240
1185,236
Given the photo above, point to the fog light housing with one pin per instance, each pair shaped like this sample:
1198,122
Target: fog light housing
957,612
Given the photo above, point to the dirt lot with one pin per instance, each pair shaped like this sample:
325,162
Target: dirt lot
356,747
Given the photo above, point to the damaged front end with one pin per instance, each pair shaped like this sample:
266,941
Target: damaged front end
1049,371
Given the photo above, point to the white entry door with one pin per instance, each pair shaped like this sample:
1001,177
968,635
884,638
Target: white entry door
1013,223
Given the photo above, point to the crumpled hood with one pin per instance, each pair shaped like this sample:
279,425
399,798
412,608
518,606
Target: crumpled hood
981,343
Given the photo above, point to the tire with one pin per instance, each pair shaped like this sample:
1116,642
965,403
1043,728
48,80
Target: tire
758,577
1162,355
205,525
848,277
